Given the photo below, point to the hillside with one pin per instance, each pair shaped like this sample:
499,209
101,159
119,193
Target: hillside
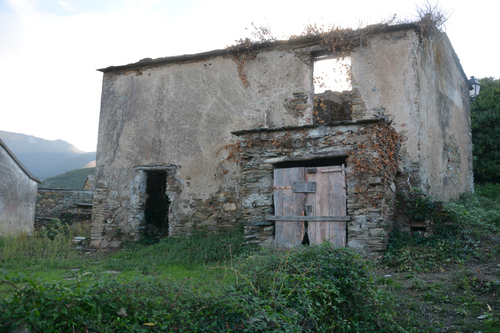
71,180
47,158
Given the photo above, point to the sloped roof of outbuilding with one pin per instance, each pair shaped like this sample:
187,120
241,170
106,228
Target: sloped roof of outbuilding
25,170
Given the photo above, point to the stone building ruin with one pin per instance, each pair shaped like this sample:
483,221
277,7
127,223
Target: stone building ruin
241,136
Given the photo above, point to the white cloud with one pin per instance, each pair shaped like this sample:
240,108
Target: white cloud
66,6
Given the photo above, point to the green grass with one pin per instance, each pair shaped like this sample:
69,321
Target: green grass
473,234
308,289
49,255
451,279
212,282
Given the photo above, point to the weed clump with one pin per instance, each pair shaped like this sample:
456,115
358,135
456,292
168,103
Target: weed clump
49,244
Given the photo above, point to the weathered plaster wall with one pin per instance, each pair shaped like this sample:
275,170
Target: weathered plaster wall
420,85
444,121
17,197
177,117
58,203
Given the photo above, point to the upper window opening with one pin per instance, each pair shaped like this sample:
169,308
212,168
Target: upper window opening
332,74
332,90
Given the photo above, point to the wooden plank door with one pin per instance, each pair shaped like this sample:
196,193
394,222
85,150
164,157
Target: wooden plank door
316,195
288,203
329,200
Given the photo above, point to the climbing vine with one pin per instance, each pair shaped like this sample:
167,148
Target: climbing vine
374,161
248,48
244,50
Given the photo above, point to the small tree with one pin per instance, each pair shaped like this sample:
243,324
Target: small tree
485,116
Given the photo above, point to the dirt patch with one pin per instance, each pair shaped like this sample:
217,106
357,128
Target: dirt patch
451,298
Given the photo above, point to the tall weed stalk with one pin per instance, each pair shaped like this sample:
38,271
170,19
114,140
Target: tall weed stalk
49,244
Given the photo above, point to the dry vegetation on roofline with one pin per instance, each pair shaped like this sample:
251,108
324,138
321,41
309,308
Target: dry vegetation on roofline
340,41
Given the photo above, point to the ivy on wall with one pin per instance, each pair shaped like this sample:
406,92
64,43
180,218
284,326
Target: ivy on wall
374,162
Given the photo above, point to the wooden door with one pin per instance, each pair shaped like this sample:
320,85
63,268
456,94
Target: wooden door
329,200
315,195
288,233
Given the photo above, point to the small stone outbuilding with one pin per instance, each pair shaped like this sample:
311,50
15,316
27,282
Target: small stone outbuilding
18,187
245,136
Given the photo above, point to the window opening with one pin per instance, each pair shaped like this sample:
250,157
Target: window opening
157,205
418,230
332,74
332,89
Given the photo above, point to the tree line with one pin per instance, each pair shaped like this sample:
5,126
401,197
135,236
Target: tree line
485,123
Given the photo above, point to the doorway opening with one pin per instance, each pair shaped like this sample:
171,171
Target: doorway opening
157,205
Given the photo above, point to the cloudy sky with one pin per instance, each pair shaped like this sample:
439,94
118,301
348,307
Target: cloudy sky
50,49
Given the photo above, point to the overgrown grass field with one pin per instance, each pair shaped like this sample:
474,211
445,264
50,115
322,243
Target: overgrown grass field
210,282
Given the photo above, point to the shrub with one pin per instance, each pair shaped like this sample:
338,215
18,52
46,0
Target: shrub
322,288
418,205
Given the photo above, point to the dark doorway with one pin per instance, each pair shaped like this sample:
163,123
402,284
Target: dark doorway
157,204
317,162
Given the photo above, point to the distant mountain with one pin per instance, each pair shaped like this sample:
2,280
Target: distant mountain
47,158
72,180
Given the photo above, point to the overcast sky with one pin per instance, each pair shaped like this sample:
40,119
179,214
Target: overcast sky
50,49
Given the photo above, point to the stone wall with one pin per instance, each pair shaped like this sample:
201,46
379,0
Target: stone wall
110,227
369,199
74,205
151,117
